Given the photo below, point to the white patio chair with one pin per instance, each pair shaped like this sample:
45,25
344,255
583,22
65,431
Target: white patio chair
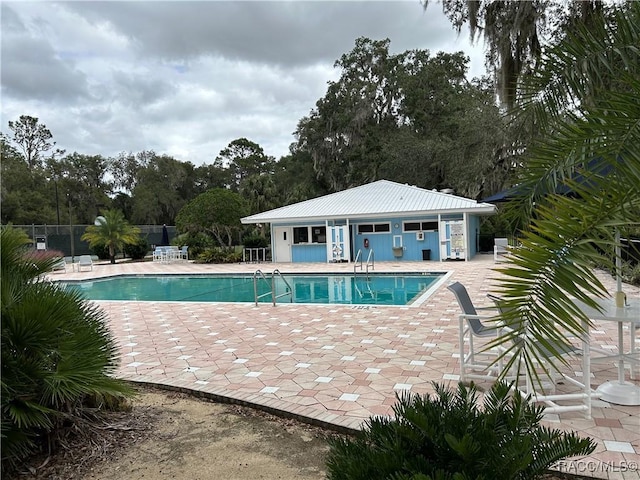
184,253
85,261
158,254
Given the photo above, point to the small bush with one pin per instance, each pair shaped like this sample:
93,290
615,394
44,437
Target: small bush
198,242
448,436
219,255
56,351
101,251
255,241
631,273
138,250
42,255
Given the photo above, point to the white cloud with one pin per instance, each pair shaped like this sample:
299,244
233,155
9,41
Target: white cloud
187,78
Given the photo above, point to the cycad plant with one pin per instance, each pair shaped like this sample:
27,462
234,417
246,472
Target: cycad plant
449,436
580,184
56,349
113,231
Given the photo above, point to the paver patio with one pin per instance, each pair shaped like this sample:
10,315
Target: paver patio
332,364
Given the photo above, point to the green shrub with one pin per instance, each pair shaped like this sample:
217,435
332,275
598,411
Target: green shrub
138,250
219,255
101,251
448,436
57,354
197,242
255,241
631,273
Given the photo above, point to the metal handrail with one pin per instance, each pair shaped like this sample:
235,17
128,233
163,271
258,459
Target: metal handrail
370,261
273,287
255,286
358,259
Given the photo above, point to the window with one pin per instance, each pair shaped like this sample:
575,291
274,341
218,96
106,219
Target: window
318,234
300,234
374,228
430,226
420,226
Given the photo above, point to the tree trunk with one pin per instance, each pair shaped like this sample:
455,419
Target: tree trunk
112,254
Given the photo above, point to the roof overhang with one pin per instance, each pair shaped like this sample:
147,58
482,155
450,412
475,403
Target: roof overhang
481,209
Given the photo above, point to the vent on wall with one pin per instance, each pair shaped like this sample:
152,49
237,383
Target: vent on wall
420,236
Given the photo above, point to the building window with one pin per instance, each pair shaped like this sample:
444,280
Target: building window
300,234
420,226
374,228
318,234
430,226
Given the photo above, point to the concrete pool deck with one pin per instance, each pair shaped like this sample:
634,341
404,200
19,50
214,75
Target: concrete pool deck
336,364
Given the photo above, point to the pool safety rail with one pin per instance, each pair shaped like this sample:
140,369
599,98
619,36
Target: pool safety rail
259,275
358,262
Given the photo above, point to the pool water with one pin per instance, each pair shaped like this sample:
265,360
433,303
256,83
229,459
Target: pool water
379,289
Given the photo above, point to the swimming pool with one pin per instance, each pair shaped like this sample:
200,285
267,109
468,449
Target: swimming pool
378,289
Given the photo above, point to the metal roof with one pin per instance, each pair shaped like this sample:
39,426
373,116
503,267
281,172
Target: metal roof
373,200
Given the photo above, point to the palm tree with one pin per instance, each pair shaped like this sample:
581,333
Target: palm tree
585,98
57,353
113,231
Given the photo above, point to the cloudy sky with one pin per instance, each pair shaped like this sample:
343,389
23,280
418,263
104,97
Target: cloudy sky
187,78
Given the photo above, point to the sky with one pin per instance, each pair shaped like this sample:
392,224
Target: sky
187,78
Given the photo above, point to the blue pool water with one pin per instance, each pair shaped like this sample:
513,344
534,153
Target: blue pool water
379,289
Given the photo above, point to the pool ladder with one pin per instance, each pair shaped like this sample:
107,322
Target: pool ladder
358,262
259,274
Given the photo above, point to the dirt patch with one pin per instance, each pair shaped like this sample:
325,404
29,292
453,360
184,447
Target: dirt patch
169,435
173,435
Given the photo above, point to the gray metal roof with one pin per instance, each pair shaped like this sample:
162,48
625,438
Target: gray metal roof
373,200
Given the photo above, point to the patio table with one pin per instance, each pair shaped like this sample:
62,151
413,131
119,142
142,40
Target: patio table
618,391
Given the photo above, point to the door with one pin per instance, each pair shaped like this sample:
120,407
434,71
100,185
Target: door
338,244
282,244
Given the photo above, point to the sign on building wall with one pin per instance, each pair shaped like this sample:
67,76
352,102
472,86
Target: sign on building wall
452,240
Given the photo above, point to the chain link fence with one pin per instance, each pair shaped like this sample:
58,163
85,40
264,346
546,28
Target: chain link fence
66,238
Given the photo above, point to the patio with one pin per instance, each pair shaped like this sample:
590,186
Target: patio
337,365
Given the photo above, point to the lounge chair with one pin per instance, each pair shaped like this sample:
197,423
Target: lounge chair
60,265
85,261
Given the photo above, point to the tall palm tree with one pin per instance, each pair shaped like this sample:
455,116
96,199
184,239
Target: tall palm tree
57,353
585,98
113,231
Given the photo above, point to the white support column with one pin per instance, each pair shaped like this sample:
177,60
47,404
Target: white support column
465,223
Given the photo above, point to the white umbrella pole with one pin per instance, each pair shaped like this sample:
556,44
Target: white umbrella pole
620,296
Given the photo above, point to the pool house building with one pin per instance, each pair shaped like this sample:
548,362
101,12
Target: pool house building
396,221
